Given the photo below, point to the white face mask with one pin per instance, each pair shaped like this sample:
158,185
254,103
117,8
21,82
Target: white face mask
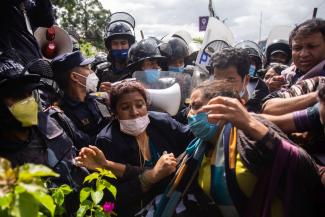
242,92
134,127
91,82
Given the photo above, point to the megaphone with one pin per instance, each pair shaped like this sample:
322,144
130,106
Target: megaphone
53,41
168,99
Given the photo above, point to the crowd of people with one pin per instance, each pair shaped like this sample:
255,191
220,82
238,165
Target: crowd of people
249,140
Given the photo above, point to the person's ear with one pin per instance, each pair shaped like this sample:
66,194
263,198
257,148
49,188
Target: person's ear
74,76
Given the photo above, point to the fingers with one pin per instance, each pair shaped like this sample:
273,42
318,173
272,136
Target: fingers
95,149
105,86
87,152
79,161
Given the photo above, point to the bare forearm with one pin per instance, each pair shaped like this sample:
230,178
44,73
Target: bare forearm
280,106
117,168
284,122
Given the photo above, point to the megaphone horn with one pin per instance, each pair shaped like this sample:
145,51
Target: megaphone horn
168,99
53,41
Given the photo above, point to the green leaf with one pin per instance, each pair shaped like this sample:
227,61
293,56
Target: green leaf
58,197
19,189
82,211
40,214
99,186
32,187
97,196
25,206
46,200
66,189
84,194
30,171
91,177
99,213
107,173
6,200
109,187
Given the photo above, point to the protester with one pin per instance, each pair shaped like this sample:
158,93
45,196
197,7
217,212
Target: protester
151,141
255,145
232,65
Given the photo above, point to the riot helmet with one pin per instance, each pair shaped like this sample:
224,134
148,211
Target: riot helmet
14,78
278,46
15,82
142,50
120,25
255,53
175,48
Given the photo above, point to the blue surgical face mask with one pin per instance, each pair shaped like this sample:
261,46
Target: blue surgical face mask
252,70
120,54
151,75
175,69
200,126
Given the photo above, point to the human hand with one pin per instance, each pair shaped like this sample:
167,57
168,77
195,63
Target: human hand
225,109
165,166
105,87
91,157
275,83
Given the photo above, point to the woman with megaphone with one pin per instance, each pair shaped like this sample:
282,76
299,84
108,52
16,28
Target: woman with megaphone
140,147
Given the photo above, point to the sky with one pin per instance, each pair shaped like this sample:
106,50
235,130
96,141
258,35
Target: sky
159,18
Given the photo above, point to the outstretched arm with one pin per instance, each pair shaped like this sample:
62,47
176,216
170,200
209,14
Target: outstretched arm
280,106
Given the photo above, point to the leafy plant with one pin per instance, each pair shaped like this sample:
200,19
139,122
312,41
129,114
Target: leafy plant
58,195
90,198
22,191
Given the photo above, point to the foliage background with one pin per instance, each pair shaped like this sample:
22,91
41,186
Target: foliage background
85,20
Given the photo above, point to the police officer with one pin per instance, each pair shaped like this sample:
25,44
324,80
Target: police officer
176,51
118,39
28,135
278,51
145,56
78,82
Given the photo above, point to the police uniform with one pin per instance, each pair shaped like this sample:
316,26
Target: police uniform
89,116
106,72
47,143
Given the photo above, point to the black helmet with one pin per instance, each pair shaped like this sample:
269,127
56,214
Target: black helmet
118,30
14,78
175,48
278,45
14,81
254,51
144,49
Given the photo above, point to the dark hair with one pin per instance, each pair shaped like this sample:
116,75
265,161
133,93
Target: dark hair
214,88
236,57
321,93
277,67
63,78
125,87
307,28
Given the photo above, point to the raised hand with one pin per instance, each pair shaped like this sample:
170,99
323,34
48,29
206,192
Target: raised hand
91,157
